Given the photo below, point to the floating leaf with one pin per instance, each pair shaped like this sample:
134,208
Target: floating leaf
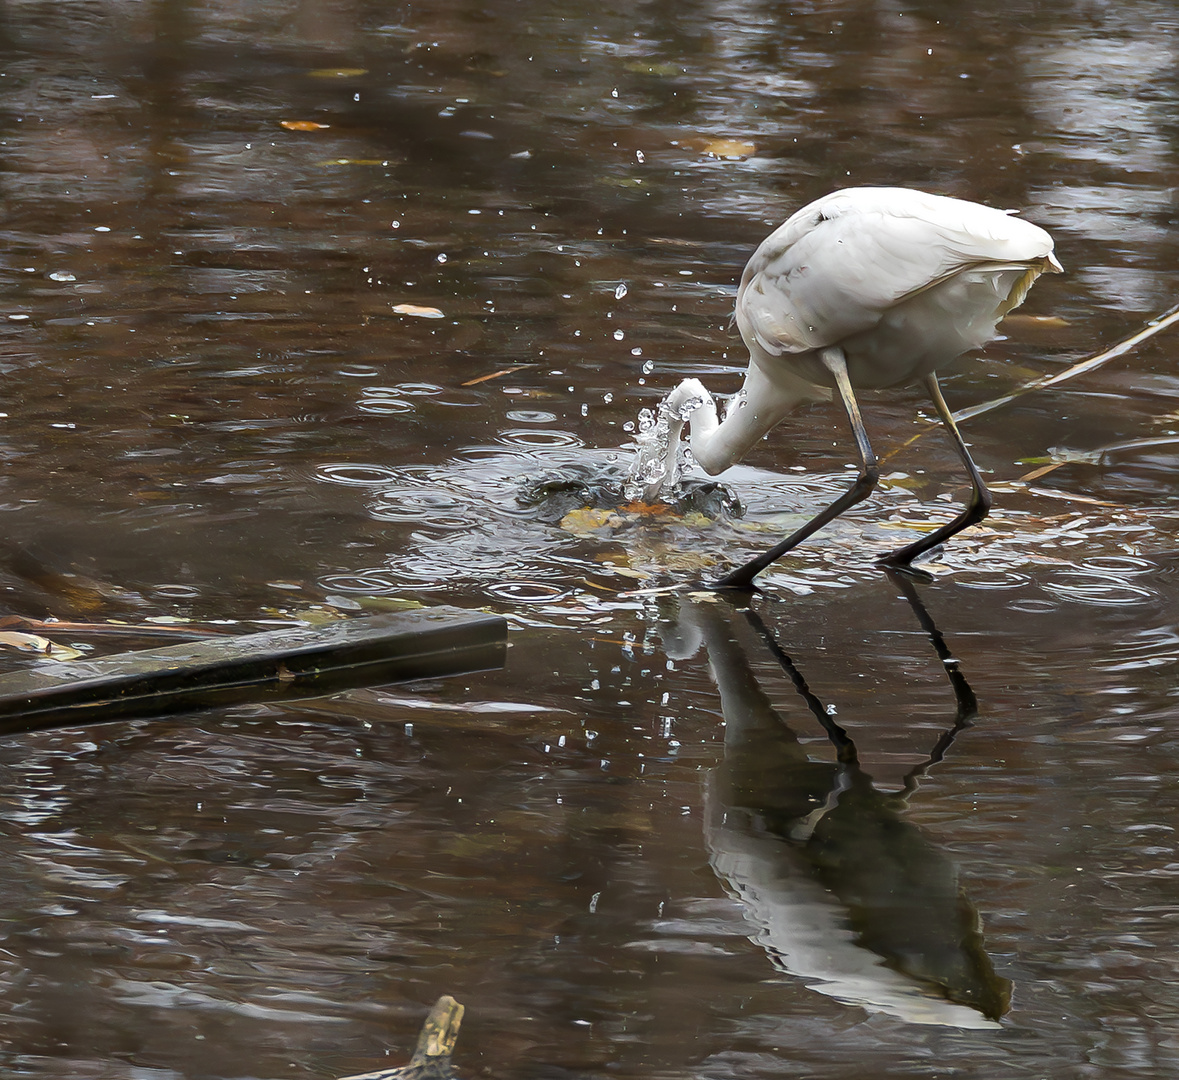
419,311
1035,322
732,149
640,67
34,643
319,616
303,125
337,73
589,521
388,603
644,509
728,148
627,572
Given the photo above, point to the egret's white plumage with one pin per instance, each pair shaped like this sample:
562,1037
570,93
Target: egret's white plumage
863,288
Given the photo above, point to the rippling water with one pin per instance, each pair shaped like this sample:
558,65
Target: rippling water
303,305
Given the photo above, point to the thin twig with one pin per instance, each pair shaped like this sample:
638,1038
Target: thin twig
1155,326
496,374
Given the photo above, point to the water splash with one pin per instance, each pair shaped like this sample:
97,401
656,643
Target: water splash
658,465
660,460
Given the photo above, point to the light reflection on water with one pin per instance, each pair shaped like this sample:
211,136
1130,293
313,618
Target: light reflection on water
212,402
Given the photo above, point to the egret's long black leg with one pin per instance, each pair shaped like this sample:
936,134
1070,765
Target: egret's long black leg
980,498
742,577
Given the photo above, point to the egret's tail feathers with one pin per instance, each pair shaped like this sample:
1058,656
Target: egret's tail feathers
1025,281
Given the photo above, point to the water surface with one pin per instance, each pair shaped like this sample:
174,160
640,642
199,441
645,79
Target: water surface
215,409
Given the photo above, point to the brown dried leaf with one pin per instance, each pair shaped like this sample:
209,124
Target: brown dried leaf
729,149
1035,322
645,509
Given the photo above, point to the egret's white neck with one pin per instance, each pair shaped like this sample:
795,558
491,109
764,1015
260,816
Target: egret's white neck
769,393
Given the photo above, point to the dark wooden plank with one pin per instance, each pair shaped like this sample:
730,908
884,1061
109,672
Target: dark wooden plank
271,666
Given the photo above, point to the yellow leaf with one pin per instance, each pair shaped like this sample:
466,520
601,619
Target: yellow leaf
34,643
588,522
303,125
388,603
722,148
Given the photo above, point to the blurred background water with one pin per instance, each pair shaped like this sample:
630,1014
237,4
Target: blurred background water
297,298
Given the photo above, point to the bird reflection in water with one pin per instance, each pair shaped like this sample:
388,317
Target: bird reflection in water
844,892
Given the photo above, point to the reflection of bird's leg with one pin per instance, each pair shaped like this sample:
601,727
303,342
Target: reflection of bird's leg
980,498
963,694
834,361
845,748
967,702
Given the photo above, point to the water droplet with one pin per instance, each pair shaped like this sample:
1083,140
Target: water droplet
607,398
648,367
639,154
620,292
442,256
62,275
618,335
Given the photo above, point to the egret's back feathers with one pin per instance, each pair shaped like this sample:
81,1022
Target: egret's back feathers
835,267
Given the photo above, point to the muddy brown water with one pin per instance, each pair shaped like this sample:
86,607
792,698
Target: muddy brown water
637,850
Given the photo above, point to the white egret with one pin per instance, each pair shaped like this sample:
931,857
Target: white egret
863,288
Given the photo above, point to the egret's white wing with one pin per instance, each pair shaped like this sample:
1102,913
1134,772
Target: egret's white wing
836,266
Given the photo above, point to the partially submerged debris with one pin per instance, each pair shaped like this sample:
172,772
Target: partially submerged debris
40,646
431,1059
583,499
277,665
